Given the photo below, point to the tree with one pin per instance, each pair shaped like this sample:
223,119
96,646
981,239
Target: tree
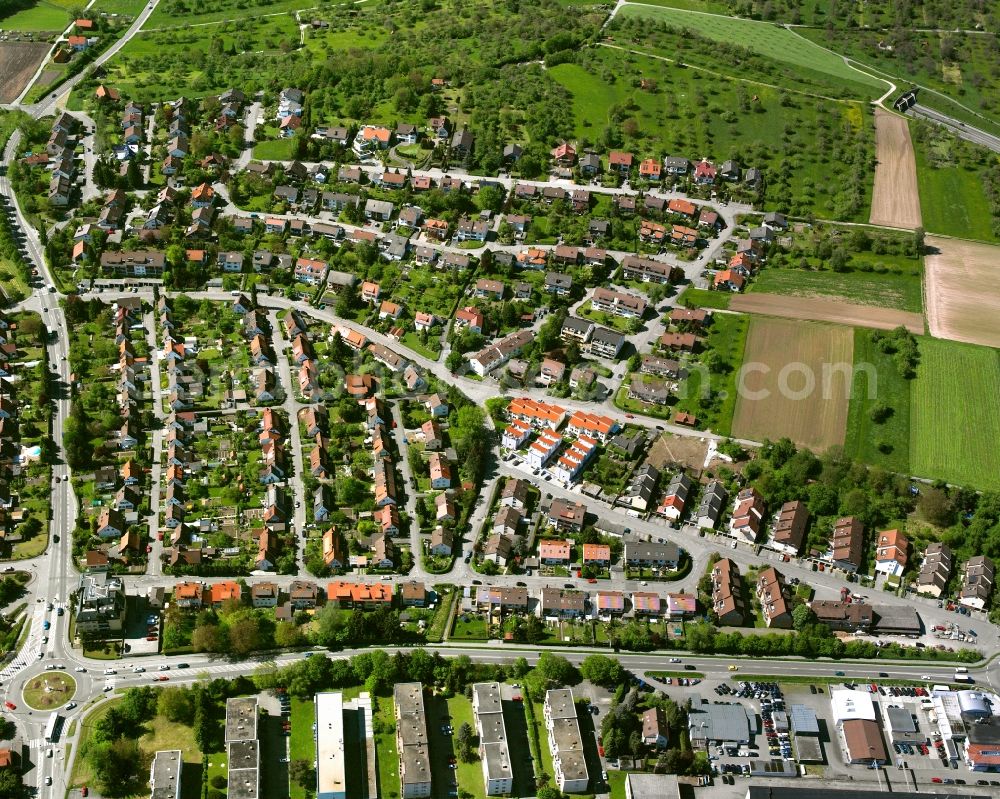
244,635
802,617
175,705
11,785
602,670
287,634
208,638
464,741
116,765
936,507
302,772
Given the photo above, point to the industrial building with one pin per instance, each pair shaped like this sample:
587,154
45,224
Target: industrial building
722,723
345,748
813,792
805,734
651,786
487,705
565,741
411,740
855,718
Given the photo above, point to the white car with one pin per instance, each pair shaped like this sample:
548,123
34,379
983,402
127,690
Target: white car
80,668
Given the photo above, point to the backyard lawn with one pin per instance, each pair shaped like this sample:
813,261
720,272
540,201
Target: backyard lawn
470,627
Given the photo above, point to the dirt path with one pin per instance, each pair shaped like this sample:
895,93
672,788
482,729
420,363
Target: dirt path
895,199
962,295
820,310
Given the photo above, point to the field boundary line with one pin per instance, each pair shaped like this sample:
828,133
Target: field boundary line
718,74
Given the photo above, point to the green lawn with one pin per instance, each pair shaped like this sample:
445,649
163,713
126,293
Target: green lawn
129,8
886,290
952,199
470,775
886,444
49,691
412,340
705,299
168,14
727,337
302,742
43,16
764,38
385,746
275,150
474,628
954,415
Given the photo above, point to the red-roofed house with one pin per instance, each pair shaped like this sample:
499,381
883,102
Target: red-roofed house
555,551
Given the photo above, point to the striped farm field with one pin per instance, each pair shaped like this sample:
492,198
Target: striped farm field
954,415
795,382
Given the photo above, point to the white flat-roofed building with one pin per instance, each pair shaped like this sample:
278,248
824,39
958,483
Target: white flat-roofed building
165,775
331,777
565,741
345,747
498,773
851,706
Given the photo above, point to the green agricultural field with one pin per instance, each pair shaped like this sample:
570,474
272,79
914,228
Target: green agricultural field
128,8
42,16
764,38
952,198
876,380
178,13
884,290
954,420
705,299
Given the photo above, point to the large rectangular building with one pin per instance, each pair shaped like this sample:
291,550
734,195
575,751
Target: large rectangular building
165,775
487,704
565,741
411,740
345,748
242,747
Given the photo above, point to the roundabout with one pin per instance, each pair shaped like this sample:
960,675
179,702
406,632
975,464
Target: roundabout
48,691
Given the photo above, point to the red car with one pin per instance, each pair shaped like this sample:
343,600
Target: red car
629,416
936,780
150,637
591,579
10,706
84,791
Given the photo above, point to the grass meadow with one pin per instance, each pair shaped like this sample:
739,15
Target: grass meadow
954,418
901,291
886,444
952,199
765,38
